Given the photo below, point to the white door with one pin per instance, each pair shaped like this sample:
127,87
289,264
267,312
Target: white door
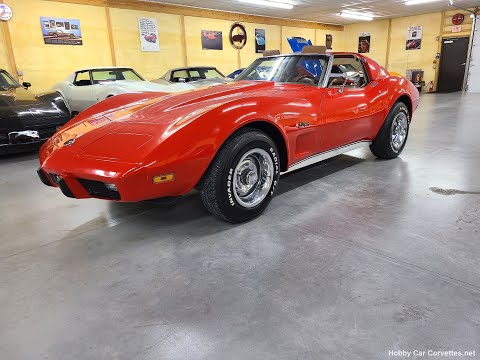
474,70
82,93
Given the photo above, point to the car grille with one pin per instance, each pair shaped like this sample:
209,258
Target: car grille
44,134
99,189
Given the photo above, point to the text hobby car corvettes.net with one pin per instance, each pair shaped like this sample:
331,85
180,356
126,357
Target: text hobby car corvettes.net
231,142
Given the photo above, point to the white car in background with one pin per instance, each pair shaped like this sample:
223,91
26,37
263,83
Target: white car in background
86,87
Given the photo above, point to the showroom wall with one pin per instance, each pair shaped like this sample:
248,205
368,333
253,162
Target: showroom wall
388,40
110,37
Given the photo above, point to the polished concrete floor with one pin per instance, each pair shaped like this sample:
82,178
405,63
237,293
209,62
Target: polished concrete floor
354,257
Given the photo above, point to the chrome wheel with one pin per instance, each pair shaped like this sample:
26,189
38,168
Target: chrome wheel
253,178
399,130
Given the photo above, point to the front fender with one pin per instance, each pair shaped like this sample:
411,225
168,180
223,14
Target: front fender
188,148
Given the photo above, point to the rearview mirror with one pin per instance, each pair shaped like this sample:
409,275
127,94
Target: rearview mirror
26,85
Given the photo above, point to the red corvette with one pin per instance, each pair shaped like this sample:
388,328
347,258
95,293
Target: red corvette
231,142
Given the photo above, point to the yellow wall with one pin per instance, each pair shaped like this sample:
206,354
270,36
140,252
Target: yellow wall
44,65
273,41
378,41
338,39
400,59
226,61
151,65
3,53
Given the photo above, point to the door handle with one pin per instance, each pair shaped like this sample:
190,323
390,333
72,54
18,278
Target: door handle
463,64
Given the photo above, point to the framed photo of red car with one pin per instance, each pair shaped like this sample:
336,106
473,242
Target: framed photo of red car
148,30
414,38
212,40
58,31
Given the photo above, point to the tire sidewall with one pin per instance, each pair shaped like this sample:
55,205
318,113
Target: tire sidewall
227,201
399,108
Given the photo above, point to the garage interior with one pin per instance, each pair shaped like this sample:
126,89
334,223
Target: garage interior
355,258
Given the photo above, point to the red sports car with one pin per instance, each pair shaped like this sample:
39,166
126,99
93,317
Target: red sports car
231,142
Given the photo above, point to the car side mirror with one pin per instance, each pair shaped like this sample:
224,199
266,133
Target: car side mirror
26,85
182,80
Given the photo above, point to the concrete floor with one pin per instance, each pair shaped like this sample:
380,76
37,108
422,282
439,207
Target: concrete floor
353,258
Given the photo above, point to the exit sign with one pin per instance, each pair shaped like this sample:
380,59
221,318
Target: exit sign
456,28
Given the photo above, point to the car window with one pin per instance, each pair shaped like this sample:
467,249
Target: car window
200,74
83,79
298,69
347,65
6,81
130,75
179,74
103,76
109,75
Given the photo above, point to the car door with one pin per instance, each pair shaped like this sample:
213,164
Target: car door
81,92
349,108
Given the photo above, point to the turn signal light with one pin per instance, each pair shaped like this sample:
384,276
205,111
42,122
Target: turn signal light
163,178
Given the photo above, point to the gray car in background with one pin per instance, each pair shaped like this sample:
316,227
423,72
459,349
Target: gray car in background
198,76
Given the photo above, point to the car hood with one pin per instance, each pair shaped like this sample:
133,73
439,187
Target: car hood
117,134
17,97
148,86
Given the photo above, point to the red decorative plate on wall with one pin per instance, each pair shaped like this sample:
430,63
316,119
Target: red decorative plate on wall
458,19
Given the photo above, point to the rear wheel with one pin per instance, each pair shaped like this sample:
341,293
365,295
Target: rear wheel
241,181
392,137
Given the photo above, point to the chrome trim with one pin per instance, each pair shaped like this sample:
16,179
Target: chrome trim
327,73
327,155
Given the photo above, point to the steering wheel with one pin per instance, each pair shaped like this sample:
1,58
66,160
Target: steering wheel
307,78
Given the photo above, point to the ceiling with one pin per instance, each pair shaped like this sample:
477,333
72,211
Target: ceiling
326,11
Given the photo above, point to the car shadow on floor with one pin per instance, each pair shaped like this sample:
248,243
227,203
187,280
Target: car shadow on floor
189,209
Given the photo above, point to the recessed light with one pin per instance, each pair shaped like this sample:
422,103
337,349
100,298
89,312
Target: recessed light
275,4
418,2
365,16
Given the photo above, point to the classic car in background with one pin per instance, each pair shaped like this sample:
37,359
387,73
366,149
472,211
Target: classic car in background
86,87
199,76
231,142
151,38
26,120
60,34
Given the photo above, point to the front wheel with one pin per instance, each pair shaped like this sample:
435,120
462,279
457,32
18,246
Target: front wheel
241,181
392,137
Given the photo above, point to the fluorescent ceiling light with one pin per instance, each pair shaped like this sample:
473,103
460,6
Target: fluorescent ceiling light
275,4
357,15
418,2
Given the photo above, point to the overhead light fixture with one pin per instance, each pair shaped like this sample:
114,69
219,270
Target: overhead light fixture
419,2
274,4
357,15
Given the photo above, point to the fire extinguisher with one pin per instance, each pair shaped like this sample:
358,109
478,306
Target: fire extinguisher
430,86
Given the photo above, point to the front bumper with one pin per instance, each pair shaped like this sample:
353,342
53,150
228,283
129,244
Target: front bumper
122,182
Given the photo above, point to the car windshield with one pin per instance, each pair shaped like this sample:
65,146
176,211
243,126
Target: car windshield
6,81
202,73
296,69
108,75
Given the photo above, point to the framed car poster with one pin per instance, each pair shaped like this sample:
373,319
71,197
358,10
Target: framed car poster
212,40
57,31
414,38
260,41
364,41
148,31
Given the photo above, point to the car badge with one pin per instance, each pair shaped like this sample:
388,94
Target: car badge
69,142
